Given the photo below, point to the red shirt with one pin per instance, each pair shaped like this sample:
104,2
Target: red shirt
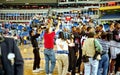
49,40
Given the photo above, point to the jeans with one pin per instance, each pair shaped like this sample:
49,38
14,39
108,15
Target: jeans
49,57
91,67
103,65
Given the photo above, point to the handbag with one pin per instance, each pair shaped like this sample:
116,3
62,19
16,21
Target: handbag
85,58
97,54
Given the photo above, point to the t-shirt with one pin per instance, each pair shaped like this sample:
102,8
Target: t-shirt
49,40
63,43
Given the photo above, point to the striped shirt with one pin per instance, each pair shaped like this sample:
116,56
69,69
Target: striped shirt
105,45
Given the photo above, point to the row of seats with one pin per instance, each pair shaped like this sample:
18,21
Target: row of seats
111,16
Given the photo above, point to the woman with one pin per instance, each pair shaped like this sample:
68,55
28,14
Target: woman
62,54
33,36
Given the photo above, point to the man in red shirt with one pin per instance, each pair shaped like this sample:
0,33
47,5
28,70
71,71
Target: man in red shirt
49,40
49,45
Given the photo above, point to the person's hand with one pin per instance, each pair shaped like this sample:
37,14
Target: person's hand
50,21
76,54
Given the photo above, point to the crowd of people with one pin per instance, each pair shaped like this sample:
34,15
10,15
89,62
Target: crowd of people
76,38
77,43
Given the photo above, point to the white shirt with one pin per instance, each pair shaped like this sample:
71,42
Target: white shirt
61,44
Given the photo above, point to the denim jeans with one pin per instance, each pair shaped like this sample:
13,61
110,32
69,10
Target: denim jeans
49,57
91,67
103,65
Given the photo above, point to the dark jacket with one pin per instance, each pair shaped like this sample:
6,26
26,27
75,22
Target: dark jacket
34,41
8,46
116,35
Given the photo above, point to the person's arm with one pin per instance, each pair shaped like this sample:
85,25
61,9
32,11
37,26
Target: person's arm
114,44
57,28
50,22
37,34
98,45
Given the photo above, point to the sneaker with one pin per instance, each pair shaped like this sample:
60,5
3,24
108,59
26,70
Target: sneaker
50,74
81,73
35,71
118,73
39,69
77,74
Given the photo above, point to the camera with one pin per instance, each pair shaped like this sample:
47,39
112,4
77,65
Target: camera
43,27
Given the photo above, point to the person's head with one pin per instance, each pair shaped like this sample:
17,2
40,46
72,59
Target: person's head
84,28
112,24
31,33
100,27
89,29
78,29
73,28
104,35
61,35
91,35
117,26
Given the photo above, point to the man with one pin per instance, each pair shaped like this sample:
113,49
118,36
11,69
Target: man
49,54
33,36
11,61
90,46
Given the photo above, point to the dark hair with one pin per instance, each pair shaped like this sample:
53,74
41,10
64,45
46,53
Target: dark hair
73,26
91,34
88,28
109,36
104,35
30,32
61,35
101,25
116,25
